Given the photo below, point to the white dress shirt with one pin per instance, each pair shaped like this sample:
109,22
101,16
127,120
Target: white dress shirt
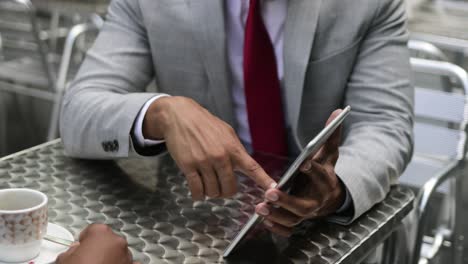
274,17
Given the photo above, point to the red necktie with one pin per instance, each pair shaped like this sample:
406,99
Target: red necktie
262,87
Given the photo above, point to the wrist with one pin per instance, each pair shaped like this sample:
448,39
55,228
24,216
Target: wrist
340,196
156,119
337,198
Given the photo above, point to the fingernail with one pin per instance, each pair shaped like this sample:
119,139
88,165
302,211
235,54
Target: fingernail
268,223
273,185
263,211
306,166
272,196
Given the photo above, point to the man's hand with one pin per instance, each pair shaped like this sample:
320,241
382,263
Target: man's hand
98,245
317,191
205,148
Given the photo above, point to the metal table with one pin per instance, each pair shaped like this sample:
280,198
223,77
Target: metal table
147,201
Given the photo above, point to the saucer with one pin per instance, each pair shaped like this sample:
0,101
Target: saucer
50,250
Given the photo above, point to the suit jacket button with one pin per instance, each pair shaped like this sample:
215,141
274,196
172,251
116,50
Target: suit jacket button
105,146
109,146
115,145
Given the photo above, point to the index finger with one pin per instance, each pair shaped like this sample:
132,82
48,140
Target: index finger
299,206
248,166
94,229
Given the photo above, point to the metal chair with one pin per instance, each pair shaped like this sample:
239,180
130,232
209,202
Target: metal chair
31,41
66,65
439,150
425,50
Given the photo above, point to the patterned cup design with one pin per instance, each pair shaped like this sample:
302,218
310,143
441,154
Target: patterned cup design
23,224
22,228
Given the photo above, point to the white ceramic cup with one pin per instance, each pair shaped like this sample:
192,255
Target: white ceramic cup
23,223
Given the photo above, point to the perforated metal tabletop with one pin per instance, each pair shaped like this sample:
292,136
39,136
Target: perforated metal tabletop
148,202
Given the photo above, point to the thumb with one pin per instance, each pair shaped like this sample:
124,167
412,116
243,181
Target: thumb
333,143
248,166
333,115
329,150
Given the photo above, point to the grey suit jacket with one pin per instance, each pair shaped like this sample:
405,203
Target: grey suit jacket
336,52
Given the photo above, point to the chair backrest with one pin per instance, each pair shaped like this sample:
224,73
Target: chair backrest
435,108
425,50
1,47
16,29
21,30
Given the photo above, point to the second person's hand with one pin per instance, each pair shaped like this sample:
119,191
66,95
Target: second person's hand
205,148
98,244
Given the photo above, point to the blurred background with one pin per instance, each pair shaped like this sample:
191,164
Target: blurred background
42,43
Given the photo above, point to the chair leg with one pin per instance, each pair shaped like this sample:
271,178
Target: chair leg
390,249
395,247
1,47
3,125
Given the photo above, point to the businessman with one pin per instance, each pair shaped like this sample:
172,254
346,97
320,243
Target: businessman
236,77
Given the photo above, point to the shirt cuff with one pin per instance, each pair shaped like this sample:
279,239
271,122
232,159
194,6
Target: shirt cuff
346,204
138,127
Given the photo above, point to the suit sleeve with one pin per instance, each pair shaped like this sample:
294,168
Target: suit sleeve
100,108
377,136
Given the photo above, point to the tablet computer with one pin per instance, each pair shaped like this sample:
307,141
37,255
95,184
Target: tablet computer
311,149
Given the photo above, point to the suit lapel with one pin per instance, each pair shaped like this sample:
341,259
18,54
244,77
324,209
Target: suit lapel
299,34
210,38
